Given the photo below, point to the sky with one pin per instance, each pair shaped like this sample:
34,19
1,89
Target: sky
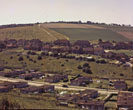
32,11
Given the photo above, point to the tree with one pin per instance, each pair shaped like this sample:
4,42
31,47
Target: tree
100,40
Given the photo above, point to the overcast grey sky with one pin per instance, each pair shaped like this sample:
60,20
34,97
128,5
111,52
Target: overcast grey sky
28,11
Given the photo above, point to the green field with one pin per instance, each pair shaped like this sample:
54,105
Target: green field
90,34
51,32
30,32
65,66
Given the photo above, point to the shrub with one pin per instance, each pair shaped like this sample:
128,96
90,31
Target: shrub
39,58
28,56
20,58
33,53
43,53
34,61
62,64
121,74
87,70
11,57
85,65
30,59
29,52
79,67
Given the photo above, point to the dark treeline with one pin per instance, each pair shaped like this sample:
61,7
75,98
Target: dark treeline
66,22
14,25
90,22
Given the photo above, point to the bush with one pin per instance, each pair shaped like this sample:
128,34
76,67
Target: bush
39,58
30,59
29,52
85,65
11,57
33,53
79,67
20,58
34,61
87,70
62,64
28,56
121,74
43,53
65,80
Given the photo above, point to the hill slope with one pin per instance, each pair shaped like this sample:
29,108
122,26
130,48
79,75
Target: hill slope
90,34
31,32
52,31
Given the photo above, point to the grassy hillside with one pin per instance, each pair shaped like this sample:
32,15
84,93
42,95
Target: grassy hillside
90,34
63,65
31,32
53,31
68,25
125,31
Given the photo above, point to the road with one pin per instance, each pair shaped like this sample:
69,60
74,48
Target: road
59,86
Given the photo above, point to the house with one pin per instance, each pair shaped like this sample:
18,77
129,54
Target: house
82,43
81,81
14,74
121,57
109,55
38,89
106,45
60,49
30,76
88,93
62,42
90,104
7,84
55,78
122,45
26,76
34,44
32,89
2,45
48,88
67,99
20,84
125,100
12,43
46,48
10,74
4,89
98,51
88,50
21,42
1,68
120,85
76,49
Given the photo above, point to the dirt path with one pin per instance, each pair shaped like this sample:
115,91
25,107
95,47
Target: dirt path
59,86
